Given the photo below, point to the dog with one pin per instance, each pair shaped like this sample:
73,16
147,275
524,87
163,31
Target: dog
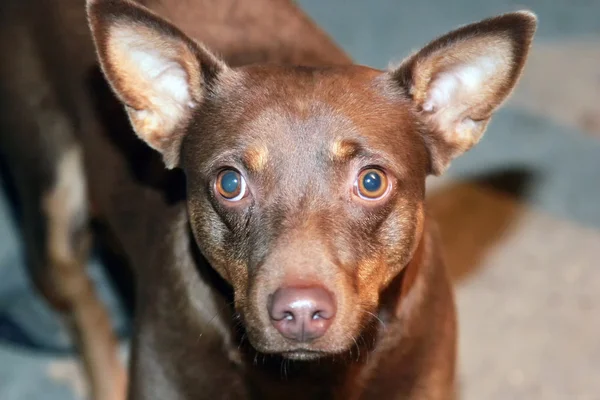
273,212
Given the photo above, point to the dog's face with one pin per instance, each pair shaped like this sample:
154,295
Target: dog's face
310,179
306,185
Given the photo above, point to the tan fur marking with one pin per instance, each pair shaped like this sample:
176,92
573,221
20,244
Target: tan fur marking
342,150
256,158
65,206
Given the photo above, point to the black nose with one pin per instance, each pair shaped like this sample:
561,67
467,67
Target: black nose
302,314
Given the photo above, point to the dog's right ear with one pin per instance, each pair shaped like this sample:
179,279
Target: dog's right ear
159,73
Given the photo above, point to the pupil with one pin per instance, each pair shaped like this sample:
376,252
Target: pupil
372,182
230,182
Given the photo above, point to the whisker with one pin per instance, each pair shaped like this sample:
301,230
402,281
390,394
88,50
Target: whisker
357,348
241,341
210,321
284,368
374,316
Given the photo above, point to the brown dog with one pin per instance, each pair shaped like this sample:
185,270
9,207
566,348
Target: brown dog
304,188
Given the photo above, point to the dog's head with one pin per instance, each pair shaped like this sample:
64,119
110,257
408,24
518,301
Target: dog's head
306,185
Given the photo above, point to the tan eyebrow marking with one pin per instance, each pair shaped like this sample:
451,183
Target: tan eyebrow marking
343,150
256,158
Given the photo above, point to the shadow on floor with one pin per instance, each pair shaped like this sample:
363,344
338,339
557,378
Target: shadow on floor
474,215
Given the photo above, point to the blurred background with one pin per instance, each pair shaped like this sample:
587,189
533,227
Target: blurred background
519,215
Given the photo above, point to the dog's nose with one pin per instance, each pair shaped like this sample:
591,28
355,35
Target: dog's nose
302,314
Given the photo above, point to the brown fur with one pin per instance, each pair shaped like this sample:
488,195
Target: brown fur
299,121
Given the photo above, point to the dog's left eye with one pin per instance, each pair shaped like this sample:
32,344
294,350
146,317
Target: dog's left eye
371,184
231,185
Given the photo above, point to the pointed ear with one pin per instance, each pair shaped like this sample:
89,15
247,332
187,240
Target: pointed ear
457,81
160,74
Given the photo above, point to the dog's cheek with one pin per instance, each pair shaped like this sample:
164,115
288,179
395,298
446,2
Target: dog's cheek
371,274
400,236
210,236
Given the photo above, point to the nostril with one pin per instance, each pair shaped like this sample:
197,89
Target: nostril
288,316
318,315
323,314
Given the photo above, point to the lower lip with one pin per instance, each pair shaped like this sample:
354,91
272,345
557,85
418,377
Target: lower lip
302,355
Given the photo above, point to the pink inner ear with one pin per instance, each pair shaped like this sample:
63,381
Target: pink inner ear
461,84
150,61
152,78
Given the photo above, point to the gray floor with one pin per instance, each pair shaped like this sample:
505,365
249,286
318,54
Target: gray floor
524,251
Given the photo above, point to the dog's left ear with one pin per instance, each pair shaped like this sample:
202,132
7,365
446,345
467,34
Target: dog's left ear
460,79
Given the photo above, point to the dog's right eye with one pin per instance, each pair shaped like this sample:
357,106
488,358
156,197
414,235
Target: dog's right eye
231,185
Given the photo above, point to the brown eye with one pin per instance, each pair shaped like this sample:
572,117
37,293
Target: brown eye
372,184
231,185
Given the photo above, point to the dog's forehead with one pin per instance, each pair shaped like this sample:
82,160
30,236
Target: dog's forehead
290,113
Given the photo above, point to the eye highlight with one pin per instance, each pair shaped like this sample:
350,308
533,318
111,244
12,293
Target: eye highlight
371,184
231,185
